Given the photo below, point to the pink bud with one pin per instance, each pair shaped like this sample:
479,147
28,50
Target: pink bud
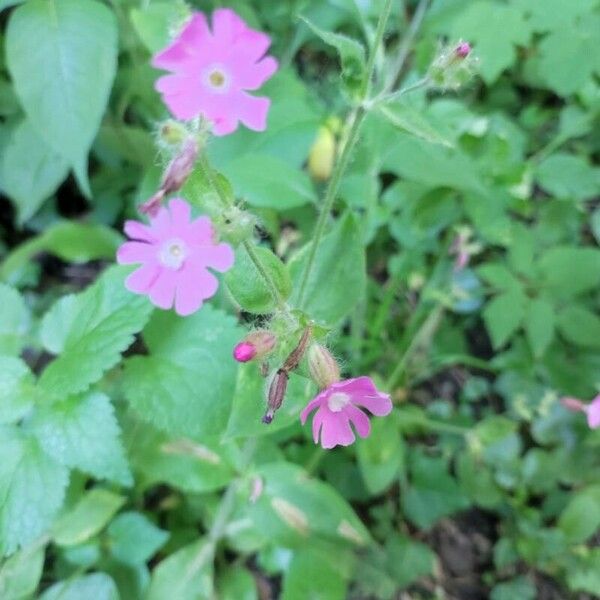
244,352
152,206
323,368
181,166
463,49
573,404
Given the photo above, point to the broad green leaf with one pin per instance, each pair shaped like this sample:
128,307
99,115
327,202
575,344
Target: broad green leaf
549,15
249,404
381,456
432,493
504,315
498,276
412,121
186,385
69,240
21,573
247,286
567,176
63,80
408,560
237,583
337,280
17,392
154,23
268,182
98,586
134,539
539,325
477,482
14,320
495,29
30,170
579,326
585,575
351,53
568,271
32,489
83,433
196,467
185,575
108,317
519,587
87,517
294,506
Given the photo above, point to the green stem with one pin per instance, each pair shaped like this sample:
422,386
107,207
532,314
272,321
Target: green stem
252,254
355,119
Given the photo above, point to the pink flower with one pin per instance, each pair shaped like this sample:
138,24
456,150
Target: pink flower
338,406
175,253
592,410
211,71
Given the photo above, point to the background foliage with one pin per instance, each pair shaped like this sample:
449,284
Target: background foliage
122,427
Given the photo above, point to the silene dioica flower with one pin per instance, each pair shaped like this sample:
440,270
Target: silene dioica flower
591,410
212,71
175,253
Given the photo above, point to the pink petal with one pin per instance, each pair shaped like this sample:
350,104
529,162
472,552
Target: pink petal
135,252
336,430
219,257
252,77
224,126
186,45
359,420
142,279
593,413
138,231
252,111
314,403
363,393
161,223
316,425
200,231
184,106
194,284
254,44
162,292
227,25
180,214
174,85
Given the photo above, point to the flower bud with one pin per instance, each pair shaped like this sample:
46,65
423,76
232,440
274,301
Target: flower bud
463,50
181,166
453,66
322,155
255,345
573,404
172,133
323,368
276,394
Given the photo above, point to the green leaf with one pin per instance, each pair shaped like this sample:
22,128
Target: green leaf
579,326
249,404
108,317
63,80
539,325
351,53
504,315
293,506
95,509
569,271
21,573
408,120
432,492
98,586
32,489
237,583
14,320
196,467
268,182
498,276
133,539
30,170
185,575
247,286
381,456
154,23
408,561
17,392
568,176
585,576
495,30
186,385
83,433
519,587
340,262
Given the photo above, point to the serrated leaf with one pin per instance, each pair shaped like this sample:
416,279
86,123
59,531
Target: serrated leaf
87,517
83,433
539,325
247,286
185,575
340,262
98,586
30,170
32,489
504,314
580,326
62,57
14,320
133,538
351,53
186,385
108,316
17,392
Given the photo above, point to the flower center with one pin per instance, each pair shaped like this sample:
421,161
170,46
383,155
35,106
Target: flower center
217,79
338,401
173,253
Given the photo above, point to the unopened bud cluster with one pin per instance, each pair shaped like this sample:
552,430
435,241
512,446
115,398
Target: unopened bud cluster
453,66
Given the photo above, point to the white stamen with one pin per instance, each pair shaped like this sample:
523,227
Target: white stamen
173,253
338,401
